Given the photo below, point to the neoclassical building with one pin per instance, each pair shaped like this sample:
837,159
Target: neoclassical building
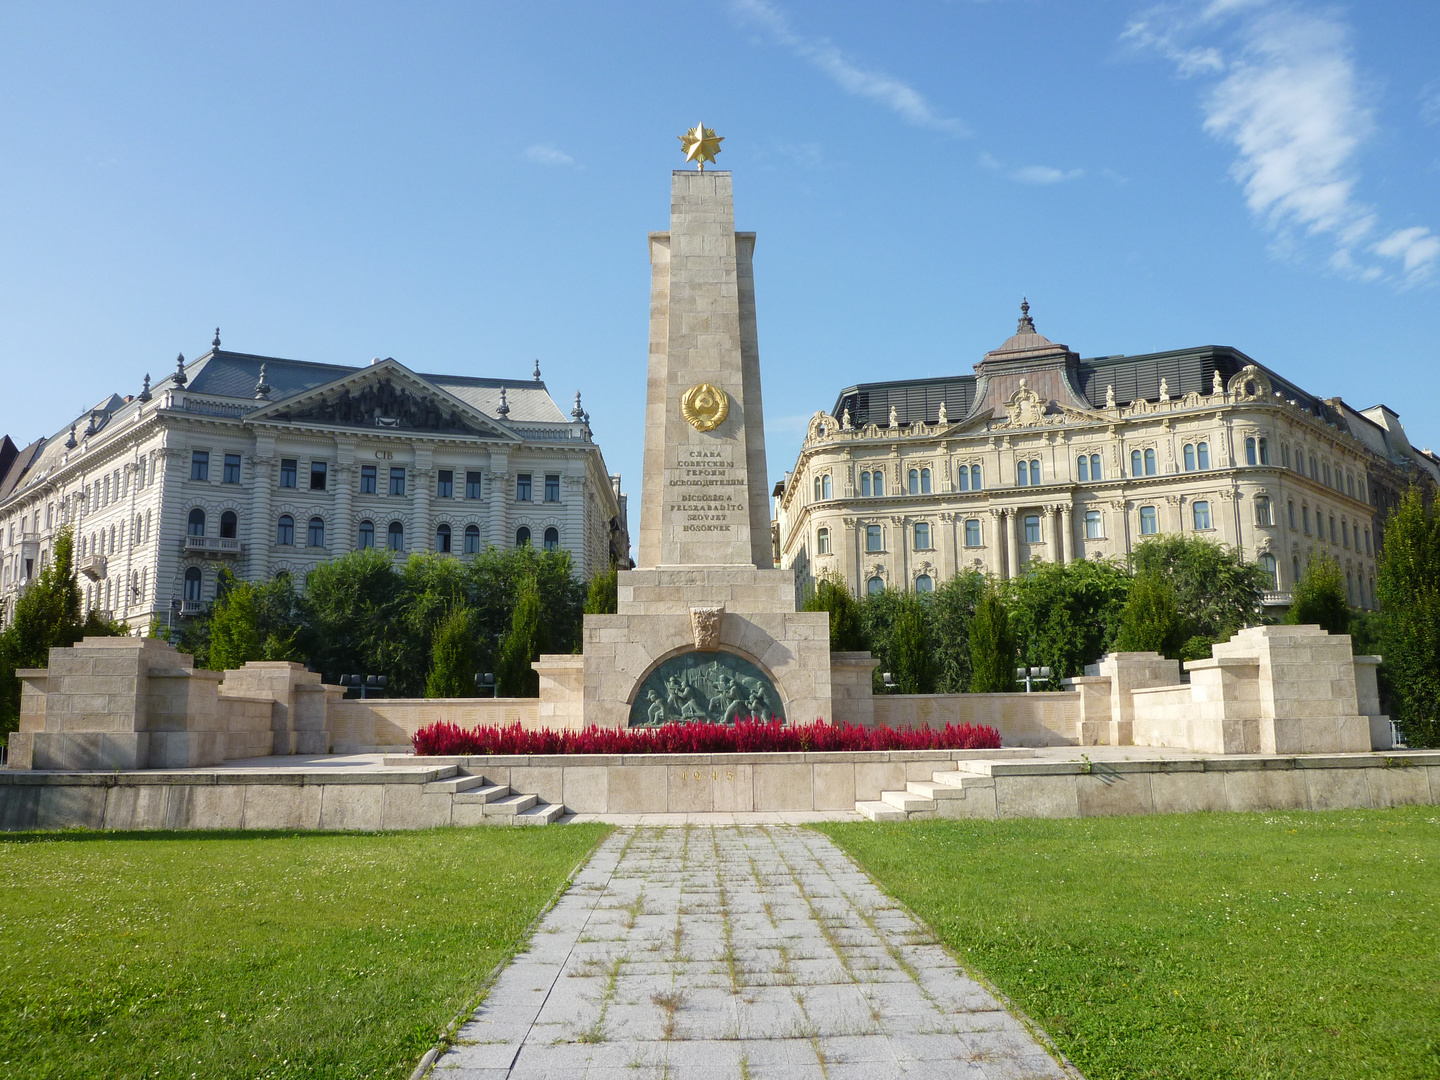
1044,456
266,465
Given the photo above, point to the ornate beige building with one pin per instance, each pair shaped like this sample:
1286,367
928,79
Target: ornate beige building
266,465
1044,456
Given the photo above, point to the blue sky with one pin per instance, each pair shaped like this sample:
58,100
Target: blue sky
467,187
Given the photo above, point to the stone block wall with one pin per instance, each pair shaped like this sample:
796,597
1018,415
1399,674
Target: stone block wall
380,724
1043,718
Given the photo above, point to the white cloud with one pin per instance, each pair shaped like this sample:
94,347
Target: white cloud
885,90
547,154
1430,102
1290,101
1030,174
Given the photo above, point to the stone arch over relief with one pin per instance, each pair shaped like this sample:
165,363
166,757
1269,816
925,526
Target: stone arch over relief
691,686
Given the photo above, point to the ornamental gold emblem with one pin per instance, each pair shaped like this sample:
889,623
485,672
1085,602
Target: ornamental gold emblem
705,406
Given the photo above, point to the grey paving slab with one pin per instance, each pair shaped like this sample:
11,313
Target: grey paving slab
702,952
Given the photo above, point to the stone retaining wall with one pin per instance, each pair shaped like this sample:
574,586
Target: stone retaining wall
1043,718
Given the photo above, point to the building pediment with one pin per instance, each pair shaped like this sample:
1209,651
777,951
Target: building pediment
387,396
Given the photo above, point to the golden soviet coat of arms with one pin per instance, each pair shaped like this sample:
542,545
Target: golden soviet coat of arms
705,406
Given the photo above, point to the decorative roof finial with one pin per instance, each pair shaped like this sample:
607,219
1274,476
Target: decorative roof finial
262,388
577,413
90,427
700,144
145,390
1026,325
537,369
504,409
179,377
216,342
70,443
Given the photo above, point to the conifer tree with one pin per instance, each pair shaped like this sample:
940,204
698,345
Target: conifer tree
602,596
522,645
830,593
910,656
1319,597
992,646
1151,620
452,667
1408,586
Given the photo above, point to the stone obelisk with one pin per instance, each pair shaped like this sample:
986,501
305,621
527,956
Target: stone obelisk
707,630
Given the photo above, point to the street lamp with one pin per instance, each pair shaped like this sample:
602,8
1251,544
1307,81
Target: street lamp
371,683
888,678
1028,675
485,681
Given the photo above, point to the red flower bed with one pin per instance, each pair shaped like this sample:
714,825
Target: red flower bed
745,737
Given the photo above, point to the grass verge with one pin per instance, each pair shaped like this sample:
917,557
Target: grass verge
1252,946
254,954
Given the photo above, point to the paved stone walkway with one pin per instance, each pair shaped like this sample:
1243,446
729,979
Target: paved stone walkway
697,953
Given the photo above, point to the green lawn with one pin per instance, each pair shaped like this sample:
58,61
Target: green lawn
257,955
1211,945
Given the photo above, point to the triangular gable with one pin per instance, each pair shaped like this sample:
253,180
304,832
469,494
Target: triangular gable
387,396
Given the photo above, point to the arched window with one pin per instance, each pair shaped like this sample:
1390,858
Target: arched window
1368,551
395,536
1263,448
924,584
1082,469
1189,457
195,526
1034,472
1262,510
1250,452
1094,529
1267,563
1202,455
192,584
878,482
1349,586
874,538
972,532
924,481
1202,514
1305,517
552,539
367,535
1150,462
975,484
1137,467
964,477
1022,474
1345,532
472,539
875,585
1149,524
315,532
822,541
522,536
914,481
922,536
1096,472
442,539
816,486
1032,528
285,530
825,486
864,485
1332,528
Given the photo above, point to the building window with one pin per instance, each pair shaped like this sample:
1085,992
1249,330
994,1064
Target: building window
822,541
1149,525
1345,532
195,524
1082,469
442,539
1096,472
875,585
1326,466
1314,468
1350,484
924,482
1094,529
1249,451
229,525
472,539
367,535
874,538
522,536
473,486
445,485
367,479
1350,586
1032,528
972,532
1262,511
1305,517
315,533
914,481
822,487
192,584
1189,457
1150,462
1201,513
317,476
922,536
1367,543
1267,563
1264,448
395,536
1290,510
879,482
288,468
199,469
552,539
397,480
864,485
522,487
924,584
285,530
232,469
1332,528
552,487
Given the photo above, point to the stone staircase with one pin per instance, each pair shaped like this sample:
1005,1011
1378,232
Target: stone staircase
950,793
476,801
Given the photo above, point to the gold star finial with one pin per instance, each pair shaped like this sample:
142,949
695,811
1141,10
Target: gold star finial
701,144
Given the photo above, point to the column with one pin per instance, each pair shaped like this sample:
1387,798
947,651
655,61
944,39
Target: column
995,543
1012,541
1068,547
949,548
262,478
342,530
844,546
424,480
498,479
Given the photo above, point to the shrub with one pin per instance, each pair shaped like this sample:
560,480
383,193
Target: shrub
452,665
1065,616
1408,585
745,737
992,646
522,646
1151,621
1319,597
951,608
830,593
603,595
914,668
1216,591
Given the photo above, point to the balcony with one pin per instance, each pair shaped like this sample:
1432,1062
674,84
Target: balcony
1275,599
190,608
94,567
213,547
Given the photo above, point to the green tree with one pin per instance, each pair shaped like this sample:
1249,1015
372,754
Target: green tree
522,645
602,597
493,581
352,610
452,664
831,594
992,646
1216,591
1065,616
1319,596
951,608
878,612
249,621
1407,582
1151,620
913,665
